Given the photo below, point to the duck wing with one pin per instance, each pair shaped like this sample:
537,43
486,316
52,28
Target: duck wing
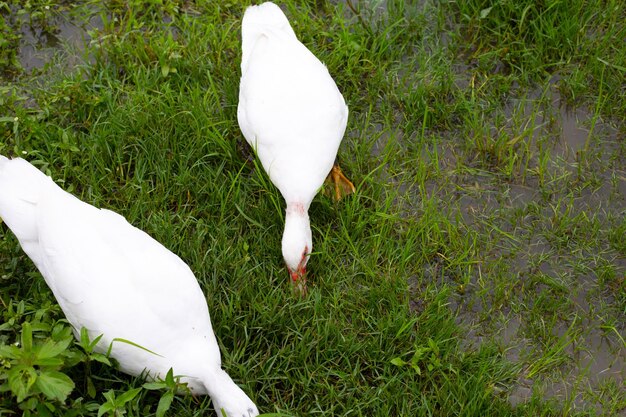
117,281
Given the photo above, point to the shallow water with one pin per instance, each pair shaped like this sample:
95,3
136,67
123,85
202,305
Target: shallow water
595,355
580,148
66,35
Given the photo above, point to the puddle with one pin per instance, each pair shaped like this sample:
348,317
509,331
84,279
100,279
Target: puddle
38,47
522,210
573,135
65,31
549,124
593,355
594,364
591,359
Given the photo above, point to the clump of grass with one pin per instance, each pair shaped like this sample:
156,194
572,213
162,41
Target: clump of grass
530,39
9,40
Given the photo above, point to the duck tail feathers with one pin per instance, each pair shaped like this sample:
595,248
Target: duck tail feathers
261,20
266,15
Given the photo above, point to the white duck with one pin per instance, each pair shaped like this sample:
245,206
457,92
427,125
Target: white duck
114,280
292,114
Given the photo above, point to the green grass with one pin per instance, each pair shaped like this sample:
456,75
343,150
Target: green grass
479,270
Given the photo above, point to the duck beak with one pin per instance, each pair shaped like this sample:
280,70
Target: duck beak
298,281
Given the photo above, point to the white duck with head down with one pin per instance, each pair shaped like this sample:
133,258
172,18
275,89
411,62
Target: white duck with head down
116,281
293,115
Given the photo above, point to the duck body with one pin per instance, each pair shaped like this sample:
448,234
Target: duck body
290,112
116,281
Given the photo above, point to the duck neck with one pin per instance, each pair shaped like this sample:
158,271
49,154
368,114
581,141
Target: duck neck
296,241
297,226
218,384
297,209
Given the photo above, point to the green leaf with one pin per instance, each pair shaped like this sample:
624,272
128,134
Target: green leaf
419,353
61,332
55,385
105,408
417,369
84,337
110,396
9,352
85,343
169,377
485,12
154,385
49,362
43,410
91,388
95,341
50,349
99,357
27,337
617,67
21,379
164,403
128,342
73,357
398,362
28,405
39,327
433,346
127,396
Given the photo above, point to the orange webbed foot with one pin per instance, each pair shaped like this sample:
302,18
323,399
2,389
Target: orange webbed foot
342,186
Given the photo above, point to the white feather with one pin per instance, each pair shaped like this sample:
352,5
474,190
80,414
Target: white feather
115,280
290,111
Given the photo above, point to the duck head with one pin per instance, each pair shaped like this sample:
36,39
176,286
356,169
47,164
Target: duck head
228,399
236,406
297,244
